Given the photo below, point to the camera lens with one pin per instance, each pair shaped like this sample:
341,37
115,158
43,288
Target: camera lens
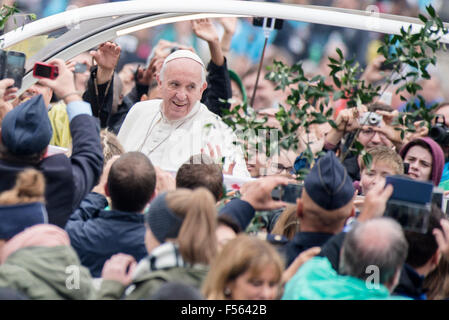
373,120
437,133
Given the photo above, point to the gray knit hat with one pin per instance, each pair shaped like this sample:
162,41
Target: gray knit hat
163,222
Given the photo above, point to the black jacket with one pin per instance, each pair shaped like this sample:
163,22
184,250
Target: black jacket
303,241
410,284
97,234
241,213
68,180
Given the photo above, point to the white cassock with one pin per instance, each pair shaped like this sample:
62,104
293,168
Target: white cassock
170,143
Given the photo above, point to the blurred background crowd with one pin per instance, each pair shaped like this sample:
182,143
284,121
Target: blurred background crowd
296,41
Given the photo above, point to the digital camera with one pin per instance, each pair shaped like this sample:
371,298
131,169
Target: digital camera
440,132
370,119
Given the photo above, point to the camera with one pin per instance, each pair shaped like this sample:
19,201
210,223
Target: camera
268,23
44,70
370,118
288,193
440,132
12,65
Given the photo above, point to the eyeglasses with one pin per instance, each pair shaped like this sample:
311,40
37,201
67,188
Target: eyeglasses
279,167
368,132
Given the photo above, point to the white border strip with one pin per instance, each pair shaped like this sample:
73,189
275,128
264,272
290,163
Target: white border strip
311,14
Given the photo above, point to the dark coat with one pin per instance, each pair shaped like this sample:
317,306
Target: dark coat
97,234
240,213
68,180
303,241
410,284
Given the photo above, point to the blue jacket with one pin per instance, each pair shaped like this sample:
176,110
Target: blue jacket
97,234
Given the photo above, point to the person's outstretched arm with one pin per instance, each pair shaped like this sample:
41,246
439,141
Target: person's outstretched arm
218,81
87,156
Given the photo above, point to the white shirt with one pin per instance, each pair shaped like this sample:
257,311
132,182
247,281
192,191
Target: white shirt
170,143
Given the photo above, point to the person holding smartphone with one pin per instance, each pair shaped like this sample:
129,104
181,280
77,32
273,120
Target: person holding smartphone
25,135
425,159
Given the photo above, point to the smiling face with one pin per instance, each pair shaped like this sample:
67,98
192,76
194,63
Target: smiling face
36,89
261,286
376,175
181,87
420,161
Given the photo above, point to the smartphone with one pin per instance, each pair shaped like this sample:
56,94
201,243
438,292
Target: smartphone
80,68
268,23
409,190
44,70
412,217
13,66
288,193
410,203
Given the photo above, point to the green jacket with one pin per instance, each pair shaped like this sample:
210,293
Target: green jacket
317,280
147,283
48,273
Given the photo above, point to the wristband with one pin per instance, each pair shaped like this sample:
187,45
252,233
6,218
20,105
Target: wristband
70,94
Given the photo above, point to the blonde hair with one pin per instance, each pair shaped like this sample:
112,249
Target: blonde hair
385,155
110,145
29,187
196,239
242,254
287,224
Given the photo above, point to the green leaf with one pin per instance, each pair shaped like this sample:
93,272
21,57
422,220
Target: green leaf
337,82
422,18
431,11
338,95
367,160
340,53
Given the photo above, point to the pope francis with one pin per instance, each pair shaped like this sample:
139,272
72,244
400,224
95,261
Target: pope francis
171,129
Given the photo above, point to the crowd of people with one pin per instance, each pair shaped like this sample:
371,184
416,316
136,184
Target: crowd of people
112,187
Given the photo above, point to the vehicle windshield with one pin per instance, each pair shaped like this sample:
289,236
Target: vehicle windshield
45,45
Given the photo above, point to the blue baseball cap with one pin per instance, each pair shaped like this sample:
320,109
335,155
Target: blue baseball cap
328,183
26,129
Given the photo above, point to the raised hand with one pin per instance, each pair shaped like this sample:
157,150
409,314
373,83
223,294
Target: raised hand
106,56
6,93
229,24
204,29
375,202
64,85
258,192
164,181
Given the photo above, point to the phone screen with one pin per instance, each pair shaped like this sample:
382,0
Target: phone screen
15,62
42,71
